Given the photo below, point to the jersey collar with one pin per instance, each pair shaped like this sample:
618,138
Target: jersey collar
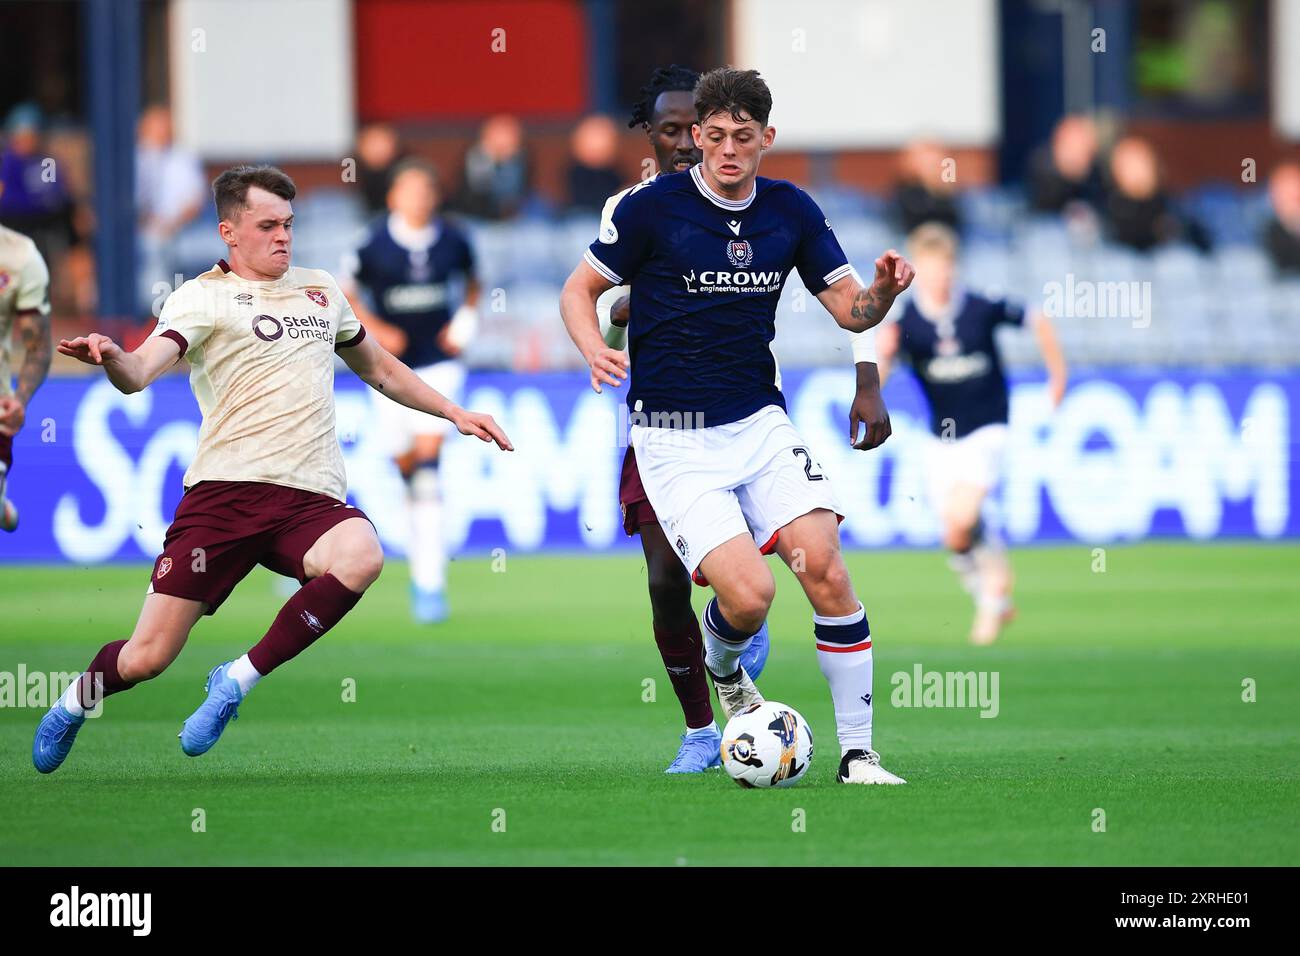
731,205
956,302
222,268
412,240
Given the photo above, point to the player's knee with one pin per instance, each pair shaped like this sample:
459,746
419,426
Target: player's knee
361,564
835,578
957,537
748,604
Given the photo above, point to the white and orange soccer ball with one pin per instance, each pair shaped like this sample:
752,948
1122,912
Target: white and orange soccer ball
770,745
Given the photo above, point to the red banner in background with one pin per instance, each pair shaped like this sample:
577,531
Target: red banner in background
461,59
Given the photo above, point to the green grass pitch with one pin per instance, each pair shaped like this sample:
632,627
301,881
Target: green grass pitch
1119,691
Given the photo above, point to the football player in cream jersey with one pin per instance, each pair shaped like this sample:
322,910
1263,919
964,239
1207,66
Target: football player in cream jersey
24,320
267,485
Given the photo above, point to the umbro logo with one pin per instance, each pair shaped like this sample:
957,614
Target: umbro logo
734,226
244,298
313,622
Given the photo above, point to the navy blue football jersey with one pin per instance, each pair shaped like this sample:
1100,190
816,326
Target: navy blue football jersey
956,360
411,287
706,274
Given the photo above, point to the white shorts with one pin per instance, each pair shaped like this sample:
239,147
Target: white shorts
709,485
975,460
398,425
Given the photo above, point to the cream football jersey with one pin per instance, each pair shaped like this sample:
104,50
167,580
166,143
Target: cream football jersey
24,287
261,360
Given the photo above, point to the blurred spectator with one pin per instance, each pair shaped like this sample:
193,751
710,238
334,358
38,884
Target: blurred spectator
924,193
593,171
1139,213
170,190
35,200
1282,235
1063,174
379,151
496,171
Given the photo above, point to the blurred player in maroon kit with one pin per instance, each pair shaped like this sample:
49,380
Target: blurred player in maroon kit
267,484
666,112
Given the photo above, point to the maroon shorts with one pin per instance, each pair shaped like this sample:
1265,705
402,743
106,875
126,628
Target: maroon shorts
637,510
224,529
7,451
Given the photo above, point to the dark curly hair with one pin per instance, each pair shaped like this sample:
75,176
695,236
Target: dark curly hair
666,79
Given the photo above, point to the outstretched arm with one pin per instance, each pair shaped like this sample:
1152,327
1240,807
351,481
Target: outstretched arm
384,372
128,371
857,307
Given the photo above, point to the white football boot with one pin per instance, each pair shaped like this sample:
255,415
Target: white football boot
737,696
863,766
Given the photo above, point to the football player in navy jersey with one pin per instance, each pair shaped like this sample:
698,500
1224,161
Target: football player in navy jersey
946,335
706,253
409,266
666,112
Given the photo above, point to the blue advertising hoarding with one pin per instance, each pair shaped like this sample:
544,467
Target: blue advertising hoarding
97,474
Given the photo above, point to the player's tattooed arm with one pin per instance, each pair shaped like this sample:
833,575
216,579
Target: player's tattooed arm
34,332
857,307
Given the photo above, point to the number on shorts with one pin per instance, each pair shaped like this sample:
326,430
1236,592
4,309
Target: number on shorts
808,464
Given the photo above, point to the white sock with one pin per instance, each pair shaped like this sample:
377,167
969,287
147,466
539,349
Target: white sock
710,728
244,674
990,559
71,701
721,655
844,655
426,551
963,564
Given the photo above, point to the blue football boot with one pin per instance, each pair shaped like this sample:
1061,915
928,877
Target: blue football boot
429,607
699,752
55,735
754,659
204,726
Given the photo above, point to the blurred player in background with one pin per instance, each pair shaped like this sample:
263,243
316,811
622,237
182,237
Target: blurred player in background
267,484
24,315
707,253
946,334
408,266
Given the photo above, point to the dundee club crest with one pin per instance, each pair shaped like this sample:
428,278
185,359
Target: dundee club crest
739,252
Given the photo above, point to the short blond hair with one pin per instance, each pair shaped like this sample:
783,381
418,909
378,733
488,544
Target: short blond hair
933,237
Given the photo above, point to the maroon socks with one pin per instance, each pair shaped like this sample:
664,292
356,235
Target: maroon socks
683,654
318,606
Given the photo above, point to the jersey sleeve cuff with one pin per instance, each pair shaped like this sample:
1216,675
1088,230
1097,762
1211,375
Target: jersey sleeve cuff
835,275
603,269
177,338
355,340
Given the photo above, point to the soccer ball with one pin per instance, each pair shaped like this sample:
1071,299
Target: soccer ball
770,745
